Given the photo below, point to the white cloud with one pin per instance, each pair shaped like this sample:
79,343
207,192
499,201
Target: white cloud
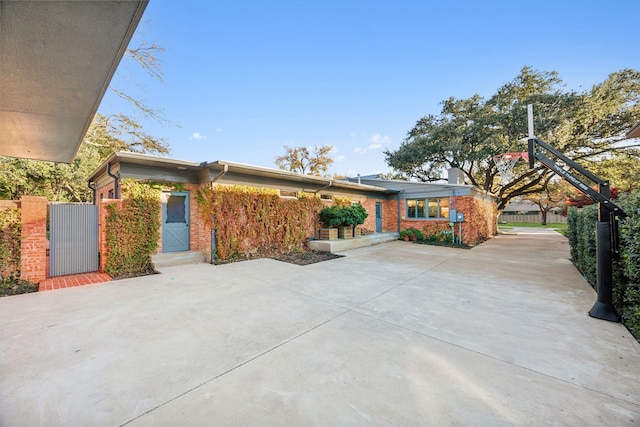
197,136
340,158
218,129
379,139
353,135
359,150
374,146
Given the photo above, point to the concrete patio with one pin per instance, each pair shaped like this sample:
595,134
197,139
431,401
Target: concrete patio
392,334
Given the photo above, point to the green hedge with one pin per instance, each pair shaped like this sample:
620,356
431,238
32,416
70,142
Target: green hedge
626,275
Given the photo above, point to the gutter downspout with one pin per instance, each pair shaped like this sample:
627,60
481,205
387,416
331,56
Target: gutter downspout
223,172
92,186
399,215
220,174
116,182
315,226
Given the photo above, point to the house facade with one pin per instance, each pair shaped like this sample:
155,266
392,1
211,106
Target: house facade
391,205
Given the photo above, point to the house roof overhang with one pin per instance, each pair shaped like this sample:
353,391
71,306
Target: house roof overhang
233,167
56,61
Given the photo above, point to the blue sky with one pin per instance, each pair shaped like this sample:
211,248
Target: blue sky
243,79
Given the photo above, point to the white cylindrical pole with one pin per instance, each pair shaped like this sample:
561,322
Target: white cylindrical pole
530,119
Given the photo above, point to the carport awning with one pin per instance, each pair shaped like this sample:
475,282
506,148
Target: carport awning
56,61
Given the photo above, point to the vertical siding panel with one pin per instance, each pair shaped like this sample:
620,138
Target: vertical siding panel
73,237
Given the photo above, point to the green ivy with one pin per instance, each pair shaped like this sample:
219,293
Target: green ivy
10,230
253,221
133,230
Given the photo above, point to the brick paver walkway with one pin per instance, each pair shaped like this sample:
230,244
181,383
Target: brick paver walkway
73,280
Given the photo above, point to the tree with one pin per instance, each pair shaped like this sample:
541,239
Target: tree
469,132
306,161
622,169
553,196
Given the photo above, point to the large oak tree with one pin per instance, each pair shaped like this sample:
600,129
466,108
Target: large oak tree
587,126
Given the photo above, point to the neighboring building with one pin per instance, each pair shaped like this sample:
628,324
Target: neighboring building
521,210
634,132
391,205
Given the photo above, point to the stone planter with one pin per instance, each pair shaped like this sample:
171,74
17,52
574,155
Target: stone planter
328,234
345,232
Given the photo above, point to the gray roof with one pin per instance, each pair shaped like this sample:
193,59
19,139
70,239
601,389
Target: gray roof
212,168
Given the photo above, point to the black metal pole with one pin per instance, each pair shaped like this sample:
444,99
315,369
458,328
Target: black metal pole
603,308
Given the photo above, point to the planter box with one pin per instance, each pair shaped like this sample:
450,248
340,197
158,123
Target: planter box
357,232
328,234
345,232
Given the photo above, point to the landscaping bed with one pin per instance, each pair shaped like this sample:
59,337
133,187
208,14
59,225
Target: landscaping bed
14,286
306,257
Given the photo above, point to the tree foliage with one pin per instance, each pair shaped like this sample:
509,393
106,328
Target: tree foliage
306,161
587,126
552,196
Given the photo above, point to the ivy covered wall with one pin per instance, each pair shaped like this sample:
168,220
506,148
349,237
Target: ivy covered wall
10,230
251,221
132,230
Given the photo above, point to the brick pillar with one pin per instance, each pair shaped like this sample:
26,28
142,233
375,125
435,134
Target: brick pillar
33,244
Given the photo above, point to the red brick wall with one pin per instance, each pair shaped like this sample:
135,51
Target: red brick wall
33,243
389,215
102,229
199,233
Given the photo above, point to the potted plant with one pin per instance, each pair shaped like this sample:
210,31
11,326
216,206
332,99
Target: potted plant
331,217
358,215
352,216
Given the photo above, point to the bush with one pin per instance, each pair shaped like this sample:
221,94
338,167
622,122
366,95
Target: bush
626,269
343,215
332,216
12,285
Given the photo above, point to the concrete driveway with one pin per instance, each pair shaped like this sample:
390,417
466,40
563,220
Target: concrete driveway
395,334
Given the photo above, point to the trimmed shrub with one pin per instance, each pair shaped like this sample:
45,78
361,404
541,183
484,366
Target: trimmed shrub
626,269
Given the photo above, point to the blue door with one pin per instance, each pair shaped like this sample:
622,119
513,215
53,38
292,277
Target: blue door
175,222
378,217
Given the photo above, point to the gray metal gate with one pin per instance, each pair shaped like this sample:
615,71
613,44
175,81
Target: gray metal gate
73,238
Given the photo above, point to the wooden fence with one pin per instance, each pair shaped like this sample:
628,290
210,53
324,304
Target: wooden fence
534,218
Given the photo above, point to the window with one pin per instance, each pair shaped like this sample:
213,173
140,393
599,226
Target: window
434,207
286,193
326,197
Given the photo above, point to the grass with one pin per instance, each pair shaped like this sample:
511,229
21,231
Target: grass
559,227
